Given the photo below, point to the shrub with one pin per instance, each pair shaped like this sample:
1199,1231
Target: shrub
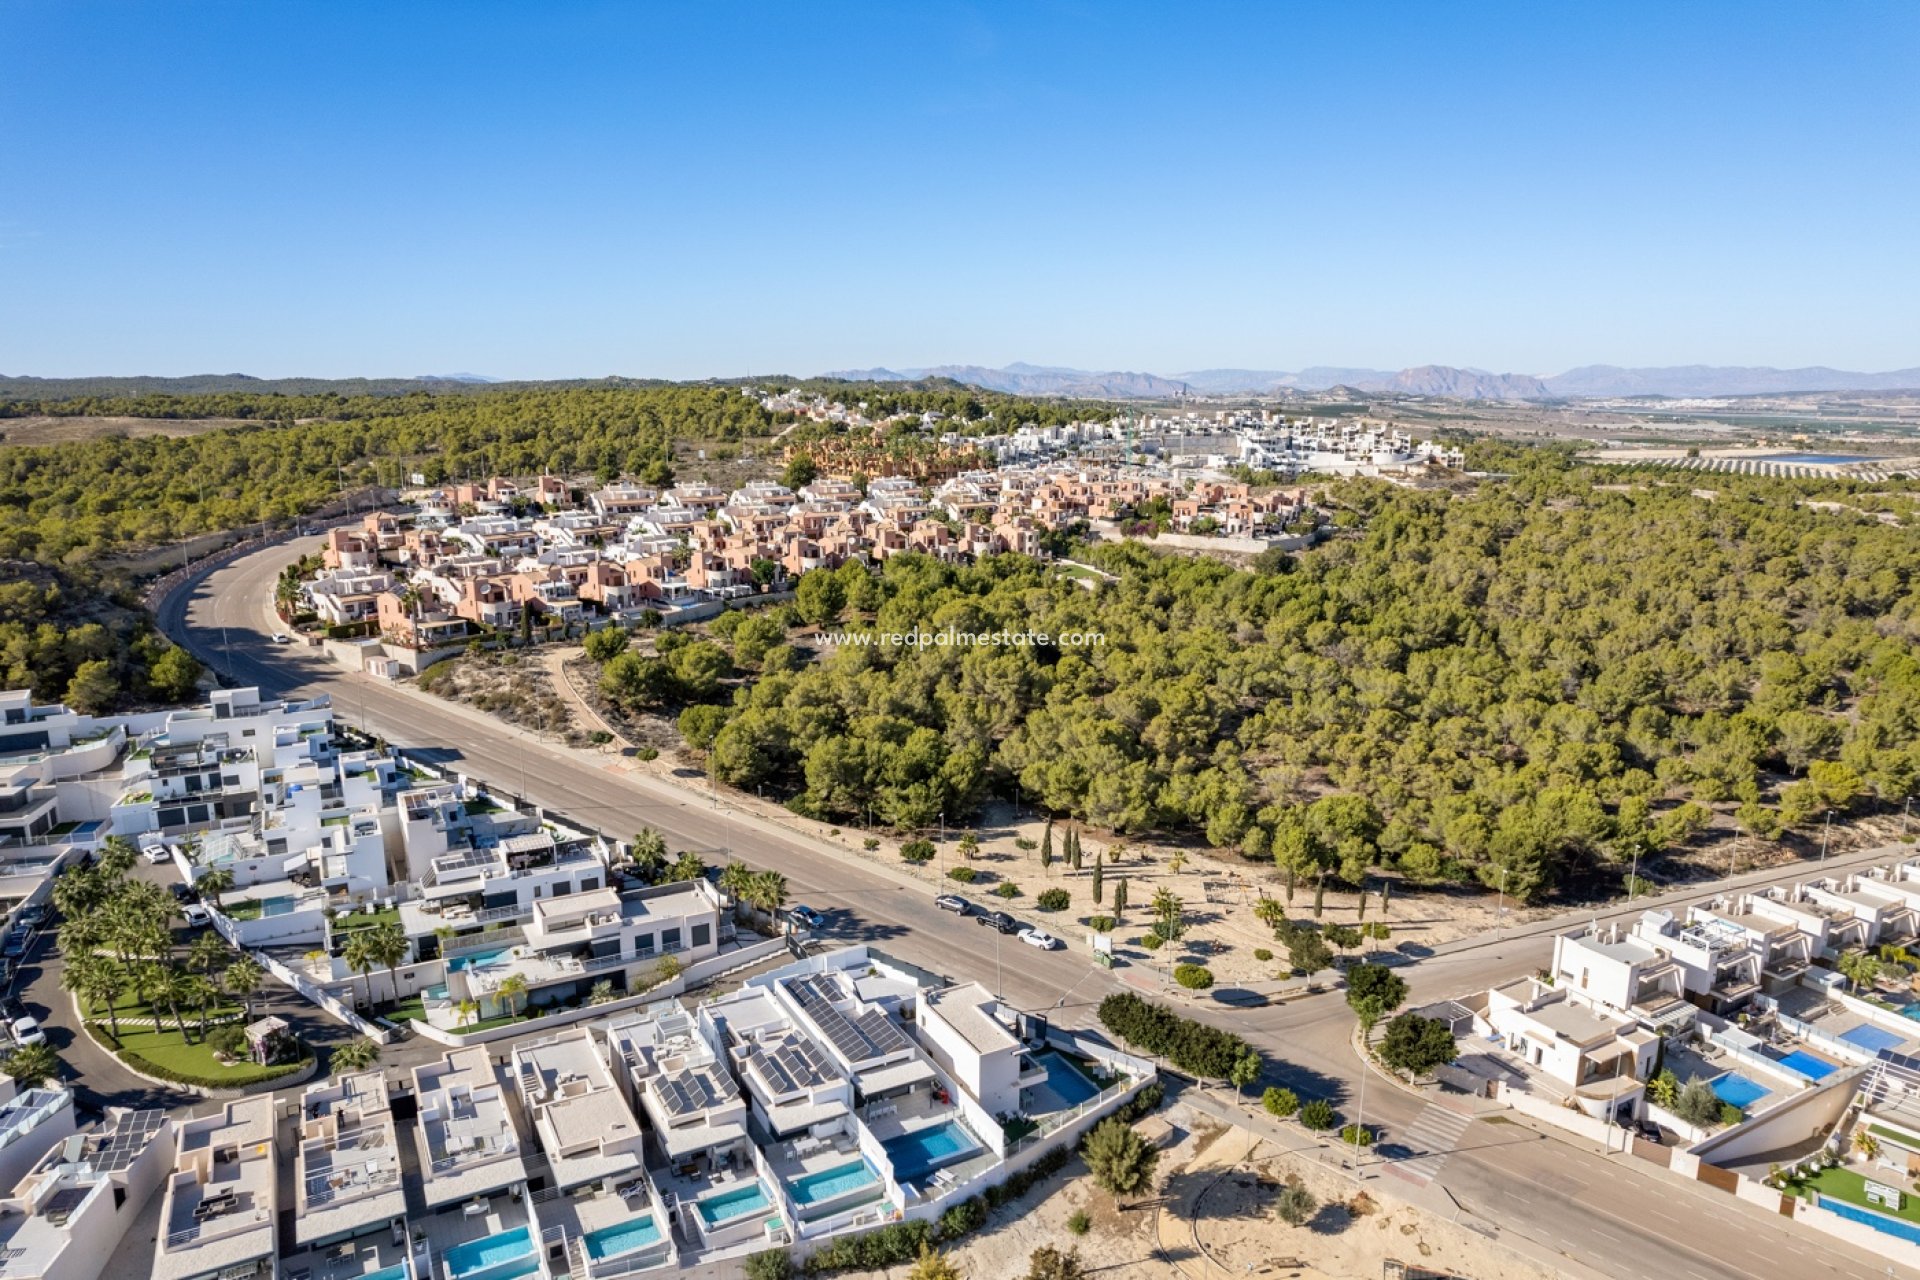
893,1245
1049,1263
228,1040
1318,1115
1730,1115
917,851
770,1264
1356,1136
1262,954
1119,1158
1191,1046
1053,899
965,875
1153,942
1194,977
647,753
870,843
1417,1045
1078,1223
1100,924
969,1215
1006,889
1280,1103
1295,1205
1697,1104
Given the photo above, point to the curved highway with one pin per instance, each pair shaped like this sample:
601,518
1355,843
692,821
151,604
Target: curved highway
1599,1213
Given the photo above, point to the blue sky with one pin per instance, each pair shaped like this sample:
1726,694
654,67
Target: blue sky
574,189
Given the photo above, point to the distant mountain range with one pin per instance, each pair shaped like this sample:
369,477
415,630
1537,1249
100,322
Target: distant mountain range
1602,381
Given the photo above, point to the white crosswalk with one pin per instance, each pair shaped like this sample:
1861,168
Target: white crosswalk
1432,1137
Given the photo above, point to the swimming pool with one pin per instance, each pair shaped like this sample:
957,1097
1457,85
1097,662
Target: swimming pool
917,1154
1872,1038
489,1252
737,1203
1065,1078
831,1184
479,960
1740,1091
1815,459
397,1272
278,906
624,1237
1807,1065
1878,1221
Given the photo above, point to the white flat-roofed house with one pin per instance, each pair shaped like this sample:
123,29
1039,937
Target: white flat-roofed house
1600,1059
584,1125
32,1122
857,1033
694,1109
467,1144
794,1086
222,1200
965,1029
347,1173
66,1217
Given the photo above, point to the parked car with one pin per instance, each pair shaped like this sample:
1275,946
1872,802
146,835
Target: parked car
999,920
13,1010
281,637
156,853
806,917
26,1031
34,916
1649,1130
182,892
955,903
17,943
1039,938
196,915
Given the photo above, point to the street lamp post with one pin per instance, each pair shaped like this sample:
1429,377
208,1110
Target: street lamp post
1826,832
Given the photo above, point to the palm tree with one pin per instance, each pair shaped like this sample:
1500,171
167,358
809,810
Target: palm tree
768,892
242,978
735,878
468,1010
206,953
117,857
31,1065
355,1055
213,882
97,980
358,953
387,946
168,988
511,988
199,991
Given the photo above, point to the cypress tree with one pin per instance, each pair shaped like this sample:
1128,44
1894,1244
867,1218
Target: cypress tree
1119,897
1046,846
1097,860
1319,897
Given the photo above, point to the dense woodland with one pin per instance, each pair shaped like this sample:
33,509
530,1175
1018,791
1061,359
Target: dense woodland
1547,676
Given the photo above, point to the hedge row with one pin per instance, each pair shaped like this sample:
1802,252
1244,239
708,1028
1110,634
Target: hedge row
1191,1046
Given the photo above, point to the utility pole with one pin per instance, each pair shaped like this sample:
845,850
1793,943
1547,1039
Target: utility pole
1825,834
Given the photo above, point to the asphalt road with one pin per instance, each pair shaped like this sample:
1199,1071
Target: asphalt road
1608,1213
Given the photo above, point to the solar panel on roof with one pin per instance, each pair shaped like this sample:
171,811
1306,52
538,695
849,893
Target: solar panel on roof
871,1035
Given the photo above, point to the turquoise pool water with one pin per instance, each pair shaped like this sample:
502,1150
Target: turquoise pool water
398,1272
1878,1221
479,960
277,906
622,1238
1816,459
1066,1079
1740,1091
1807,1065
917,1154
737,1203
831,1184
492,1251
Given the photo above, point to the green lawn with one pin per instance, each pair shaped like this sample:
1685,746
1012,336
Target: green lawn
345,923
165,1049
1845,1184
412,1009
242,909
131,1005
1899,1136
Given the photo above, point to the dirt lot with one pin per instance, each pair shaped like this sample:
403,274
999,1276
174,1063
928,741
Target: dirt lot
514,686
1213,1220
47,430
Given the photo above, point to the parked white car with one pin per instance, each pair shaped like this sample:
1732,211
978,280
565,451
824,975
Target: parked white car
1039,938
27,1031
196,915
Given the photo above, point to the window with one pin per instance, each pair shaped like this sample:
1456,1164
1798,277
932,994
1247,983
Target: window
643,944
702,934
669,939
